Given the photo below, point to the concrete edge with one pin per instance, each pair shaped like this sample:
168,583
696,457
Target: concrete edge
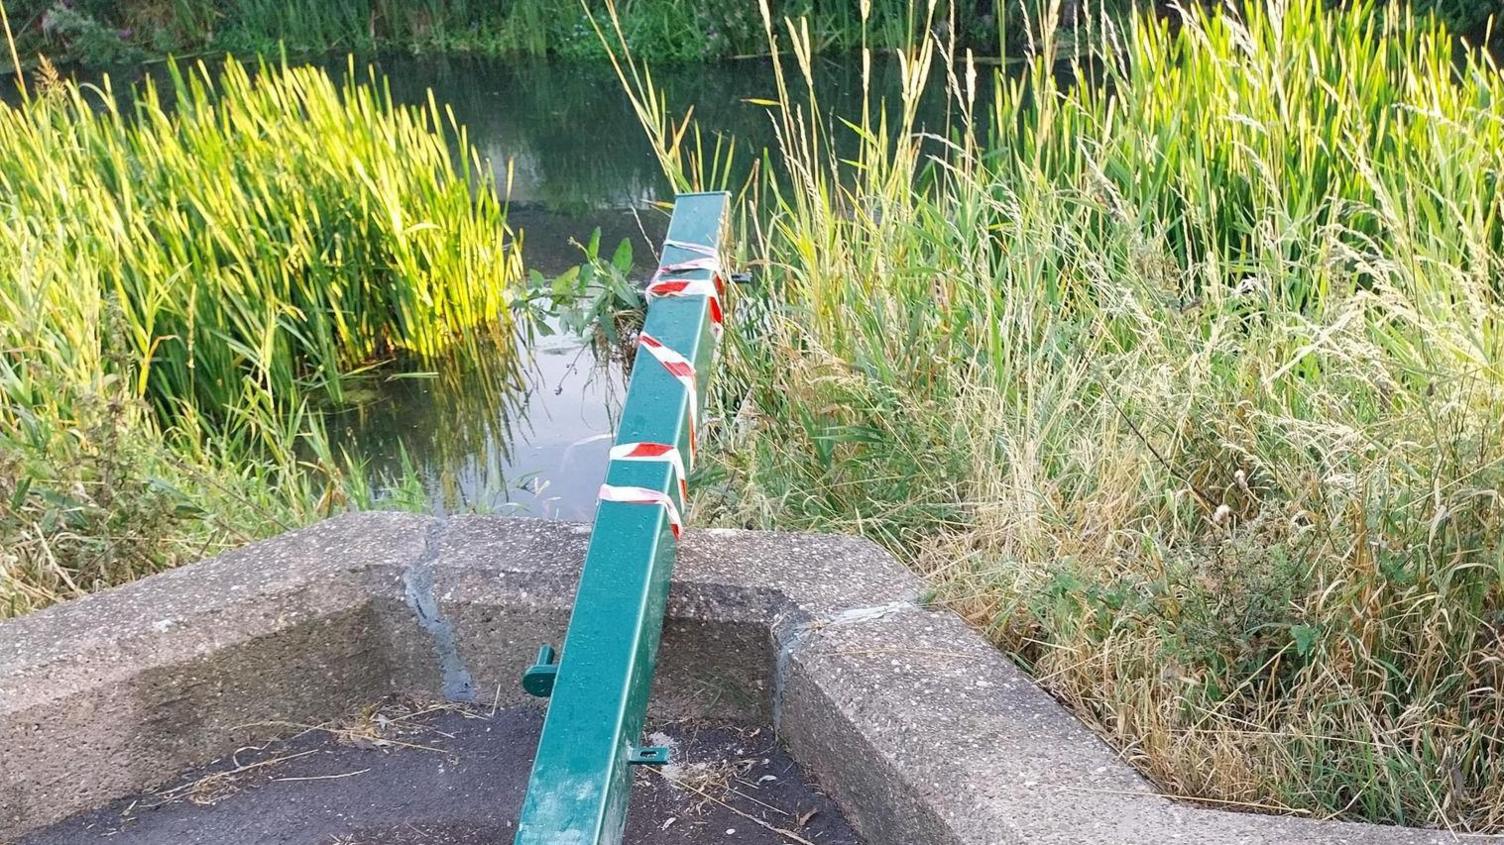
912,709
116,692
921,729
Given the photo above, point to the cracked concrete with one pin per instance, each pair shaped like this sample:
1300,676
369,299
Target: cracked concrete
922,731
417,582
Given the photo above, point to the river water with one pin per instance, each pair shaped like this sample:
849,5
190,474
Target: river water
578,161
566,139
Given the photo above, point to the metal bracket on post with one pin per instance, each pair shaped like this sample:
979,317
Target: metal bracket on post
649,755
538,680
577,794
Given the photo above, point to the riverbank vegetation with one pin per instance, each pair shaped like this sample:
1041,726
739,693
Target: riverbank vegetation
103,32
1180,374
106,31
186,280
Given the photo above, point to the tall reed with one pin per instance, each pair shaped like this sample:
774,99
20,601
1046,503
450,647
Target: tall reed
187,280
1178,370
262,233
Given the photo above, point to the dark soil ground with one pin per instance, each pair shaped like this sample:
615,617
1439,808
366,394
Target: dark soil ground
441,775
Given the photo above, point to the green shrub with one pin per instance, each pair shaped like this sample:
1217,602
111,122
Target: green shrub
106,31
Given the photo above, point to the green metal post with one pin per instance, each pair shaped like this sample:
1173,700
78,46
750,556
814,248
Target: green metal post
599,689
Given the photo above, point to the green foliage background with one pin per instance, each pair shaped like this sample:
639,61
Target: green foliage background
102,32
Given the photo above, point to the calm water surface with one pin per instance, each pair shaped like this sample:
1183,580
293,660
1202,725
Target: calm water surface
578,161
565,138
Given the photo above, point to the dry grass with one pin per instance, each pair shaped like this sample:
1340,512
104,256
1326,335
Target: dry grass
1184,384
388,724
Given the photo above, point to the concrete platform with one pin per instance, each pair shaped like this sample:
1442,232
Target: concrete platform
409,774
918,728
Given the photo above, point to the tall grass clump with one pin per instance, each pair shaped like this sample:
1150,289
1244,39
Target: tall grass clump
1179,371
188,280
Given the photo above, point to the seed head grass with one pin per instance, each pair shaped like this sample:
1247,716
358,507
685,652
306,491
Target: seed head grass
1177,369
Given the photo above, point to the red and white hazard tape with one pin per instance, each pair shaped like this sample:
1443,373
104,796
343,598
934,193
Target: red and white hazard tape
693,287
655,452
709,259
665,283
645,496
684,372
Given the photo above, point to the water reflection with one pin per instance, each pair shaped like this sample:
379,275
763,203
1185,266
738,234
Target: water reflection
567,138
578,161
476,442
573,138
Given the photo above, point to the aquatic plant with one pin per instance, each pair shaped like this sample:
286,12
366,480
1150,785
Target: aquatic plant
188,280
1177,370
264,233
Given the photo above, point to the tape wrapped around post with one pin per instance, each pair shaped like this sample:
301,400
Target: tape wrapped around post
709,259
692,287
602,676
655,452
645,496
684,372
665,282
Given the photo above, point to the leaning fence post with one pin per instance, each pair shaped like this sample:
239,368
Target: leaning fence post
598,686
